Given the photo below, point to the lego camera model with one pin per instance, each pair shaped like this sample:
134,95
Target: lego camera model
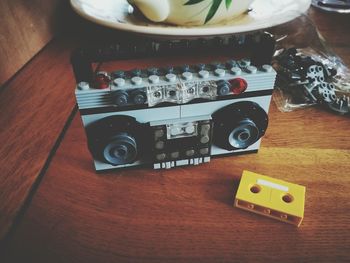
173,116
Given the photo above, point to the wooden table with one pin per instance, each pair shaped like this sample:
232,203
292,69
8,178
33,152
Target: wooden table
55,208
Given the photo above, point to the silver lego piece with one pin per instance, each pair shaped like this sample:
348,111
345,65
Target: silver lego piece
136,80
119,82
203,74
220,72
83,85
170,77
251,69
187,75
154,79
236,71
267,68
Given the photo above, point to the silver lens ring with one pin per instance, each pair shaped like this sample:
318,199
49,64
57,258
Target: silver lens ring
244,135
121,150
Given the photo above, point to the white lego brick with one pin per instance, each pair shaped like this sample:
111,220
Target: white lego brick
101,166
209,108
219,151
206,159
141,115
181,120
181,162
156,166
93,98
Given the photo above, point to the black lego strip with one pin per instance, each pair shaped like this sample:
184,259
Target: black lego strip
260,44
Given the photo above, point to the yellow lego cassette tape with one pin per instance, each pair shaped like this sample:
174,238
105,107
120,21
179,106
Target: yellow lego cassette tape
271,197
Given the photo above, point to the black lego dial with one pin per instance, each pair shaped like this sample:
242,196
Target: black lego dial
117,140
239,125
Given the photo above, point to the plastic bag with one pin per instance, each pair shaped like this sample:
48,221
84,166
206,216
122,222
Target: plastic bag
309,73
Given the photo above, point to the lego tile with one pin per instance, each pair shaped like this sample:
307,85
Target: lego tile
271,197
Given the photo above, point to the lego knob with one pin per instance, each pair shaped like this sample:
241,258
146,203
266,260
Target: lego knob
216,65
121,149
118,74
119,82
116,140
220,72
244,135
266,68
154,79
136,72
236,71
239,125
251,69
139,97
244,63
153,71
170,77
203,74
231,63
223,87
83,85
136,80
169,69
185,68
187,75
201,67
121,98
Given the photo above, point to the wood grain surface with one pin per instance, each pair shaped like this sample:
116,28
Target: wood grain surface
34,108
26,27
335,29
186,214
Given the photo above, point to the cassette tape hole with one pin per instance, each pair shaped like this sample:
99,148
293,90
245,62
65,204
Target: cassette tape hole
287,198
255,189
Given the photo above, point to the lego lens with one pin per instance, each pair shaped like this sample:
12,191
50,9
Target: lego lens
121,150
244,135
239,125
116,139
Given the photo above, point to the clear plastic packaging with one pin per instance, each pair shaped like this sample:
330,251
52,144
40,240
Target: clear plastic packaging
309,73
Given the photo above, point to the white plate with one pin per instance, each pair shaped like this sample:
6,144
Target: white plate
120,15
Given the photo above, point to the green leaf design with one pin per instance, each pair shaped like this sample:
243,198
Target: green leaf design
214,7
228,3
193,2
215,4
